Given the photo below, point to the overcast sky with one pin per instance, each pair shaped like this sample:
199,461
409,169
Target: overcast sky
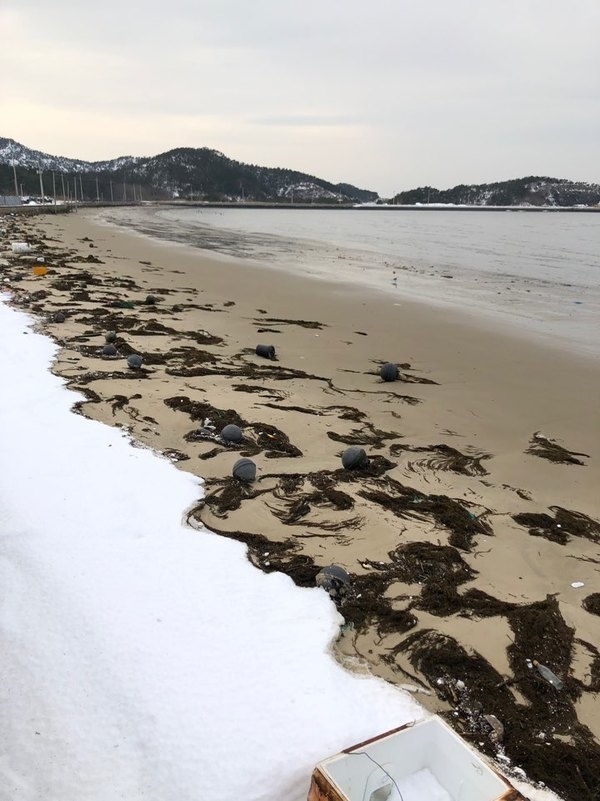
387,94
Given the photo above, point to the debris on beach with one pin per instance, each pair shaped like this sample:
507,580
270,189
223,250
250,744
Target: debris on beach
591,603
267,351
244,470
335,581
443,457
389,372
354,457
231,433
134,361
399,599
549,449
565,524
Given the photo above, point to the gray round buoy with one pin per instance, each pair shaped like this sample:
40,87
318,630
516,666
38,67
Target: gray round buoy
134,361
244,470
110,336
150,300
268,351
389,372
59,317
109,350
231,433
334,580
354,457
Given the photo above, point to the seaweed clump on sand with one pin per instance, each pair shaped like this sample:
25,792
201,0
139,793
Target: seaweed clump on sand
313,324
440,569
543,736
257,437
296,503
443,457
366,435
549,449
561,527
366,605
270,556
406,502
199,410
591,603
225,495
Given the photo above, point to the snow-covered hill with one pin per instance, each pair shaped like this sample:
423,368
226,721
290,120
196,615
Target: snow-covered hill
190,172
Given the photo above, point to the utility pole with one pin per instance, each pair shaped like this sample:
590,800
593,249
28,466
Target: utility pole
75,188
54,188
81,186
15,177
112,198
62,178
97,191
41,183
124,192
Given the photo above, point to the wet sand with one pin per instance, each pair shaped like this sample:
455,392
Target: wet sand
478,507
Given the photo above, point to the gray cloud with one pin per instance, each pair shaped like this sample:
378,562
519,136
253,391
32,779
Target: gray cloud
388,95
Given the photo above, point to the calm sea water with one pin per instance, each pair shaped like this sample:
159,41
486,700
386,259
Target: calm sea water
535,272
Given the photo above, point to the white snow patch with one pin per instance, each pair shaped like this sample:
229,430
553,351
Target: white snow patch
142,659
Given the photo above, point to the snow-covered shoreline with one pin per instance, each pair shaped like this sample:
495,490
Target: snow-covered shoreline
143,659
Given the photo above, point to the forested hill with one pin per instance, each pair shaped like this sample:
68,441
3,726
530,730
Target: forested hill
185,172
530,191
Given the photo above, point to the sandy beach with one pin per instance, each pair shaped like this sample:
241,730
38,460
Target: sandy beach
464,534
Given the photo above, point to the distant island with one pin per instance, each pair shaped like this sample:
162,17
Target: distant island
205,175
530,191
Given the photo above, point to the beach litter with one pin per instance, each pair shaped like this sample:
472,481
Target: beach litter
389,372
334,580
547,674
354,457
20,247
577,584
266,351
231,433
244,470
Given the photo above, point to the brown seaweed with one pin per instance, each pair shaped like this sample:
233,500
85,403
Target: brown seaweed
405,502
591,603
549,449
565,524
444,457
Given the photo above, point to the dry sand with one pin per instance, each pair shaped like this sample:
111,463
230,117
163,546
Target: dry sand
482,427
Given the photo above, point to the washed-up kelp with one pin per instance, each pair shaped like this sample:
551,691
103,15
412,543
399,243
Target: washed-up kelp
549,449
